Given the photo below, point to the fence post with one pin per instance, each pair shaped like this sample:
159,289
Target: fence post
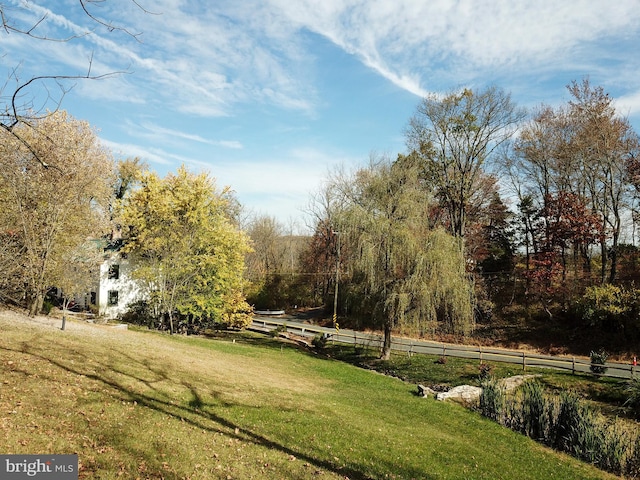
480,349
524,361
573,365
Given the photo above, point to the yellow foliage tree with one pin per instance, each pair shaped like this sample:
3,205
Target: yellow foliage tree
187,250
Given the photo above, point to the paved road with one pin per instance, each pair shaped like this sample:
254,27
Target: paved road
413,346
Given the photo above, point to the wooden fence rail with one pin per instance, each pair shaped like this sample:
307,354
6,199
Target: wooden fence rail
482,354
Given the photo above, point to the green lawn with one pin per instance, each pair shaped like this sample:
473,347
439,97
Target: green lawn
135,404
604,393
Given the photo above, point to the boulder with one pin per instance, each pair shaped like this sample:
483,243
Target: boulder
466,393
426,391
469,394
511,383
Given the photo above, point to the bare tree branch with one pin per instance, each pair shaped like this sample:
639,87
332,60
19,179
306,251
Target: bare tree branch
18,107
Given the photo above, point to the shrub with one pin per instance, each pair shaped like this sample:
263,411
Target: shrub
632,464
319,341
598,359
567,417
139,313
586,437
565,423
610,307
486,371
617,447
600,304
278,330
47,306
633,395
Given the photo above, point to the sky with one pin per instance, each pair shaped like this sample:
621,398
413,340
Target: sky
271,96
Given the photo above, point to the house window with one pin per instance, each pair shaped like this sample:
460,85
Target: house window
114,272
112,298
94,298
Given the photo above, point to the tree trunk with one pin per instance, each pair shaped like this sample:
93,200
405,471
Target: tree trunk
613,259
386,347
170,323
35,304
604,261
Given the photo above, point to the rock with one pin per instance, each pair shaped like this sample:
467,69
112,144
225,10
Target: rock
468,393
462,392
426,391
512,383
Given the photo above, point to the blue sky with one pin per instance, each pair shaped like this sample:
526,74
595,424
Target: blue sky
268,96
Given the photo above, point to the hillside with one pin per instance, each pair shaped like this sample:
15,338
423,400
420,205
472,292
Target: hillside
137,404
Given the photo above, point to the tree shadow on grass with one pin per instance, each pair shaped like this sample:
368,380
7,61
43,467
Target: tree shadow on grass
195,412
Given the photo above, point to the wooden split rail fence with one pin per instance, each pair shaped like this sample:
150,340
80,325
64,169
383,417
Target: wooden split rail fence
416,347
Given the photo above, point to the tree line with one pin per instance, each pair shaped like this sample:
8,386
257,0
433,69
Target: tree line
489,207
491,211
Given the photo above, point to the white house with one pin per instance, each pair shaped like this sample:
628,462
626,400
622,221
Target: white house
115,289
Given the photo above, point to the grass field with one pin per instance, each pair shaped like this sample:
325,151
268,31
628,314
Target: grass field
135,404
605,394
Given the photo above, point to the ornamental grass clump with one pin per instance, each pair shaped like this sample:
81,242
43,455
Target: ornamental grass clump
492,400
535,409
565,423
633,395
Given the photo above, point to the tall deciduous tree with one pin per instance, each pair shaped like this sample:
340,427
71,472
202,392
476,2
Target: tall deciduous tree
456,135
320,260
580,150
269,255
186,248
605,142
403,275
49,212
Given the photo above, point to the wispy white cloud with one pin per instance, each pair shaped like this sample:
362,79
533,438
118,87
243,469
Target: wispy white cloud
206,58
291,176
154,131
408,42
628,105
198,60
126,150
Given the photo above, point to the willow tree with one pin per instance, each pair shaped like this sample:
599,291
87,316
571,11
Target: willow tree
403,275
186,249
49,212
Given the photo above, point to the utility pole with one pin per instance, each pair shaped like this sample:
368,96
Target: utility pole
335,292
